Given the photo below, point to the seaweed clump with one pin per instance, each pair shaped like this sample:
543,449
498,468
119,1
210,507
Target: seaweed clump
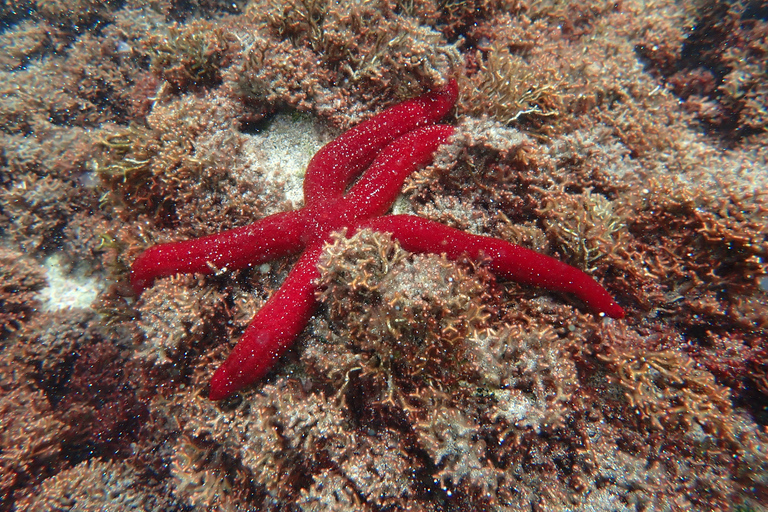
21,280
420,384
720,68
193,55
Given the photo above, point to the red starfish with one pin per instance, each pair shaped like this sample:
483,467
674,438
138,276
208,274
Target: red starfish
391,145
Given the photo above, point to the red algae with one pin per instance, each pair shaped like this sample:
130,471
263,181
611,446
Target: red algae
628,140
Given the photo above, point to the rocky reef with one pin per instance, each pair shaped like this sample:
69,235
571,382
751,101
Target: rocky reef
628,139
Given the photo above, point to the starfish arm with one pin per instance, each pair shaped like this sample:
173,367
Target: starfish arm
508,260
333,167
272,330
269,238
378,188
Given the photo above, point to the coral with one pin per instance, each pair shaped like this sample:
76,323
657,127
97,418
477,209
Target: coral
381,469
88,84
555,199
508,159
401,53
52,339
46,202
351,270
282,435
268,436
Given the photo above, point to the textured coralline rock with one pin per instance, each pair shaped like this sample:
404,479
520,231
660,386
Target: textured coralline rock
628,139
274,438
192,56
20,281
586,226
529,373
404,297
456,445
93,486
36,209
716,68
30,437
197,479
330,492
175,317
28,40
314,46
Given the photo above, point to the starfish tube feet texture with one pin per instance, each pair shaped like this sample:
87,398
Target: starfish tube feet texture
386,150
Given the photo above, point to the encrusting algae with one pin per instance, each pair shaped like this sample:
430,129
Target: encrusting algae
629,140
